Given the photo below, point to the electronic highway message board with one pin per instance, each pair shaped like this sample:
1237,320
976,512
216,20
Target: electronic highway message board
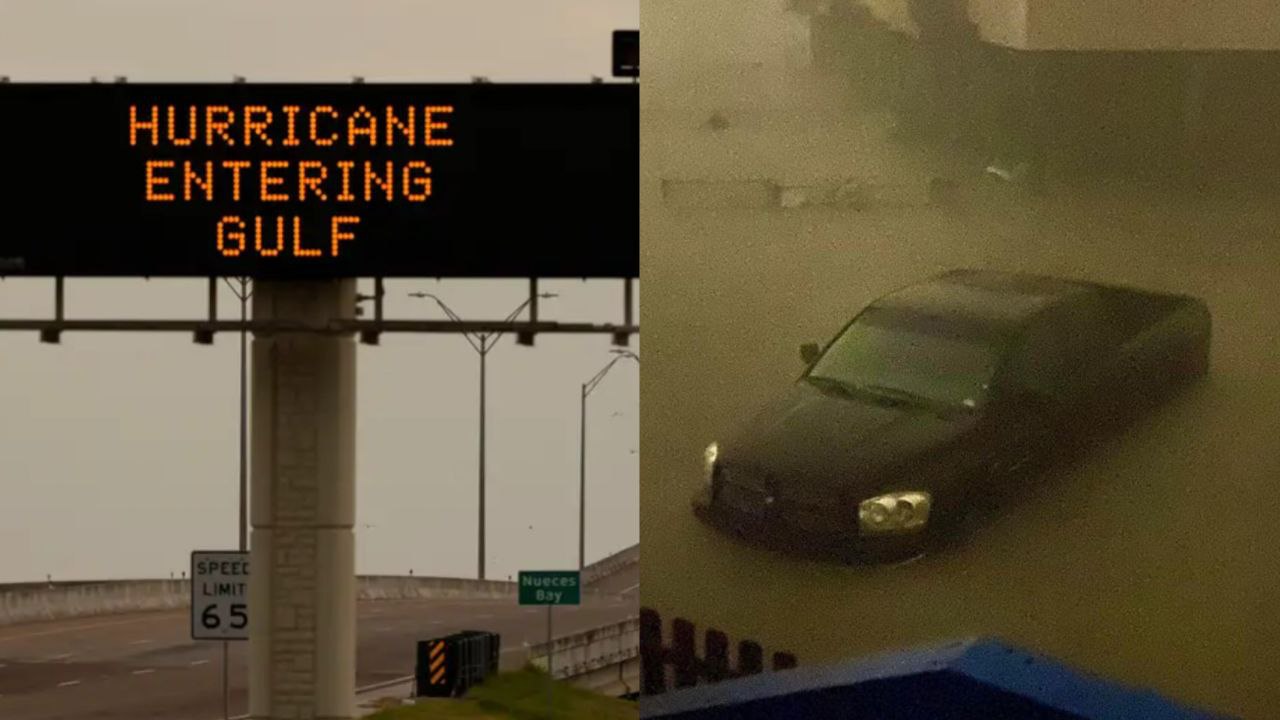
309,181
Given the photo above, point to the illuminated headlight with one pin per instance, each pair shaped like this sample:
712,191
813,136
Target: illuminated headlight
709,457
899,512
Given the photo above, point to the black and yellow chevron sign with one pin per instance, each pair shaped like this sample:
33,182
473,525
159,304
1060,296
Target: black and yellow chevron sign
436,662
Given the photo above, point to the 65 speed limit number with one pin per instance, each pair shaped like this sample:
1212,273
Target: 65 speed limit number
219,595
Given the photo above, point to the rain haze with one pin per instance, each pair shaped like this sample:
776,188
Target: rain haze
118,452
1125,561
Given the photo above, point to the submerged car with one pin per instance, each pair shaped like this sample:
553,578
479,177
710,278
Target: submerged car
939,397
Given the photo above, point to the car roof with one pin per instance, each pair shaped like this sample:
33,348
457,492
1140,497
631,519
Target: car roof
999,300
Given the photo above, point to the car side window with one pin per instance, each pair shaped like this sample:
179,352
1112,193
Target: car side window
1039,364
1059,351
1087,336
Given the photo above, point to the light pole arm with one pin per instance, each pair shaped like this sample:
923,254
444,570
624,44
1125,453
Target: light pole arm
448,311
587,387
516,313
596,379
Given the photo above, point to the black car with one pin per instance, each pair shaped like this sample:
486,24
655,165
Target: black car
935,398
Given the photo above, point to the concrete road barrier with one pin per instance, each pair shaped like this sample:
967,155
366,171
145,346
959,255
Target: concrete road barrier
31,602
59,601
611,565
56,601
708,194
854,194
585,653
394,587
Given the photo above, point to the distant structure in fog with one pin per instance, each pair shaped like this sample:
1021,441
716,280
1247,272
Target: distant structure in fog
1100,88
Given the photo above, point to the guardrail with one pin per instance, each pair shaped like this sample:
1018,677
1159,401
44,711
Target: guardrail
682,656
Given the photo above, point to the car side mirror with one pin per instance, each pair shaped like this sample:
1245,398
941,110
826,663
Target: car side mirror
809,353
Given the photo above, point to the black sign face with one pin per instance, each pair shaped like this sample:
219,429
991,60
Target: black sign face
311,181
626,53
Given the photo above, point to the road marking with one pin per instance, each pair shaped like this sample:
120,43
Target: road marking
199,662
143,672
63,656
78,628
69,683
633,587
359,691
139,642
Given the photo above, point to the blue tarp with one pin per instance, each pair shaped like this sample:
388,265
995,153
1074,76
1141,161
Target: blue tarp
977,679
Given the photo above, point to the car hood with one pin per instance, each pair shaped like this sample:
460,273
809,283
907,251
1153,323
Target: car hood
810,442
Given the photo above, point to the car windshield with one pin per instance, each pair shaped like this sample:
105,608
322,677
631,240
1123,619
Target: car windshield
902,358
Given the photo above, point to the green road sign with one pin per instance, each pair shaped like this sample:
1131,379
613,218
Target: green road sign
550,587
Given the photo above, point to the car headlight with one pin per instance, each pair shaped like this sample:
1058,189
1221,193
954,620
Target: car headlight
709,457
897,512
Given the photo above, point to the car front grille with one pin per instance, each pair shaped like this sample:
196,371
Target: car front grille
748,495
740,492
743,498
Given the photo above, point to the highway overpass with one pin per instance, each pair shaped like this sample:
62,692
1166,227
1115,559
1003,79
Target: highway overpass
129,665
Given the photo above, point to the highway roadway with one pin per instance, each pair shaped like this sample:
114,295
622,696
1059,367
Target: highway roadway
144,665
1152,559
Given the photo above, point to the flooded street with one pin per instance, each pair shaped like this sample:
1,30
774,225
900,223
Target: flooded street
1154,559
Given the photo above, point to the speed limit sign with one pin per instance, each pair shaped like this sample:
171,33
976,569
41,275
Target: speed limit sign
219,595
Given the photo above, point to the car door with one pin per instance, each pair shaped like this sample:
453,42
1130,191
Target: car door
1089,341
1030,396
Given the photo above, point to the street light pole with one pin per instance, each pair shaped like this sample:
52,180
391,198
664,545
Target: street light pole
482,343
582,481
587,387
244,417
484,353
243,294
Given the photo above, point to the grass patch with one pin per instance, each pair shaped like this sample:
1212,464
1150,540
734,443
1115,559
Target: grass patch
518,695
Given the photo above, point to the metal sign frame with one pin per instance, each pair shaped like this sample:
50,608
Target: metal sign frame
203,330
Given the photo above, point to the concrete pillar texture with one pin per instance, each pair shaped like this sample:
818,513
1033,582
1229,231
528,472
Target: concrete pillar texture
302,507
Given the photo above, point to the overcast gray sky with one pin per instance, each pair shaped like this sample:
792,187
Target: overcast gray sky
118,453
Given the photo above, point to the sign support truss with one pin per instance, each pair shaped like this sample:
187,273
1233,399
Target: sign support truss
203,330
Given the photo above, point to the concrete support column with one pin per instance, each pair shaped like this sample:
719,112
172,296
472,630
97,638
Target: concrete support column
302,589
